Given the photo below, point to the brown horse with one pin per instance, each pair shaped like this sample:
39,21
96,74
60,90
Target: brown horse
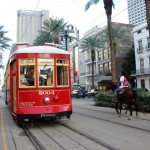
125,96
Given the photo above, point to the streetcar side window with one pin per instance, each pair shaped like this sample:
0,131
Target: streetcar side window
62,73
45,72
27,72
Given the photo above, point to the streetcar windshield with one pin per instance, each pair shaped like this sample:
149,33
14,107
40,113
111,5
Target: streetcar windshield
45,72
62,73
27,72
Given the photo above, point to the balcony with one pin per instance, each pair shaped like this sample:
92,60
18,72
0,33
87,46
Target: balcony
143,71
88,73
88,61
105,73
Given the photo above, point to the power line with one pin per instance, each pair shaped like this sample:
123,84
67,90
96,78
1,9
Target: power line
98,17
48,33
30,19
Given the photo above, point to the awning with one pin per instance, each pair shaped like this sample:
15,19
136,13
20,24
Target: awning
104,81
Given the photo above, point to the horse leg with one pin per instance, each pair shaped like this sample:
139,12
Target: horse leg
136,109
130,108
120,107
126,110
116,107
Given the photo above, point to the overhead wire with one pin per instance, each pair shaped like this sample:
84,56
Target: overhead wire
48,33
30,19
98,17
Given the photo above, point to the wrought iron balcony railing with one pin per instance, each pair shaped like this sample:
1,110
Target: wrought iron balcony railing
141,71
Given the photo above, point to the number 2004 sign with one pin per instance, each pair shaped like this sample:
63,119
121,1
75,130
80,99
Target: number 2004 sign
46,92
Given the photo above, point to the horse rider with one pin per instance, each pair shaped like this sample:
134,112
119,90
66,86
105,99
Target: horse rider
123,83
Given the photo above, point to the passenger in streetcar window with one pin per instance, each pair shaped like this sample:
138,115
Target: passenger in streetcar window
30,77
23,80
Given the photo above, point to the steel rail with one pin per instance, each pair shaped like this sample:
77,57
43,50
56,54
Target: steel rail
33,139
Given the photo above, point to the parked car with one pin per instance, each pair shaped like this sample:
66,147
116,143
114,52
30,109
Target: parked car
74,92
92,93
80,93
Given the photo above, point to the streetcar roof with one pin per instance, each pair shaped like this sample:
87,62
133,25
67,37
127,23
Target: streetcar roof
40,49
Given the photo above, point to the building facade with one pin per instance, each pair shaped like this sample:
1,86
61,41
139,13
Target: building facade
142,56
102,66
28,24
136,12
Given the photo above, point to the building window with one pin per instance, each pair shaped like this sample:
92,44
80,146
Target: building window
104,54
100,55
100,69
140,49
148,43
149,62
105,67
109,53
142,65
138,32
143,83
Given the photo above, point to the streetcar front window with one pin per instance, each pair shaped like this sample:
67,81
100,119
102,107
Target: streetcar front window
62,73
27,72
45,72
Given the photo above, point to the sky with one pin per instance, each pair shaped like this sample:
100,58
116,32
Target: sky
71,10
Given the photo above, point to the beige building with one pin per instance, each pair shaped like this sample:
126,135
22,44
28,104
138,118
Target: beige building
102,66
28,23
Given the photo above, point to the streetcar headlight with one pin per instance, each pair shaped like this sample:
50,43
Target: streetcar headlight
47,100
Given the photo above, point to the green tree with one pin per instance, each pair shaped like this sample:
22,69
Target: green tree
50,31
129,64
108,4
91,43
119,36
4,41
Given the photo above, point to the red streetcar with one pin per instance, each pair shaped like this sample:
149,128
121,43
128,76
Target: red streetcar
37,82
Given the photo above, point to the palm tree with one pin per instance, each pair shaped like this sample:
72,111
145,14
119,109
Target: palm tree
91,43
108,4
147,4
119,35
50,31
3,39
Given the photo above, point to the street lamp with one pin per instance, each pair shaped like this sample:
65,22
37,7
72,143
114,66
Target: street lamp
66,37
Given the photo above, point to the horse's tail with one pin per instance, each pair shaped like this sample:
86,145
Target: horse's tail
137,101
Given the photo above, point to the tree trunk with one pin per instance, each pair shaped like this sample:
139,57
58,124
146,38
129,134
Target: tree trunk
112,52
147,3
108,7
92,74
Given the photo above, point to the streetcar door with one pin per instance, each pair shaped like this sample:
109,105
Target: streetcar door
13,87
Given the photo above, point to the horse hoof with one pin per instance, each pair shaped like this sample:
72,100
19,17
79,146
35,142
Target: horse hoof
130,118
119,115
137,116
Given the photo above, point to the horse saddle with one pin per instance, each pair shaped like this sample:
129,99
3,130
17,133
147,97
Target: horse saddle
122,90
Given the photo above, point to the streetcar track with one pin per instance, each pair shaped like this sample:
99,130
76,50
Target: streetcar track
110,113
95,140
51,138
33,139
113,122
110,147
